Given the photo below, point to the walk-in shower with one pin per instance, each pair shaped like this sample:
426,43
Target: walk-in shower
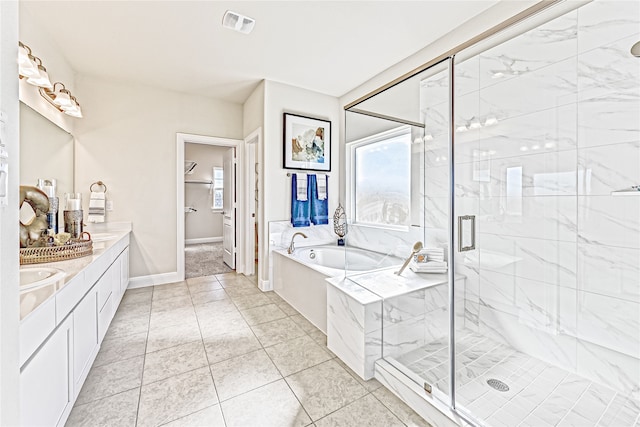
526,135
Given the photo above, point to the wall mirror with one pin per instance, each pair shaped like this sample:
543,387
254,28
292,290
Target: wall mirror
46,151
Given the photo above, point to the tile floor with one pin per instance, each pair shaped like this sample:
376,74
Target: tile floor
204,259
539,395
216,351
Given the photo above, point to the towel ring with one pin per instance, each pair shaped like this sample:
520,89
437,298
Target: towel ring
99,183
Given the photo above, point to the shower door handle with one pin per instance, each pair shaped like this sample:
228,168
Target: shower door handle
466,233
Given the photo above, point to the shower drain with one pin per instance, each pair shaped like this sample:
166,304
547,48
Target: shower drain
497,384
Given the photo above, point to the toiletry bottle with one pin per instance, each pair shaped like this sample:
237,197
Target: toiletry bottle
48,187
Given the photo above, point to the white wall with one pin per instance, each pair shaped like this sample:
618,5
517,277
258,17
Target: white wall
281,98
57,67
9,300
128,140
205,223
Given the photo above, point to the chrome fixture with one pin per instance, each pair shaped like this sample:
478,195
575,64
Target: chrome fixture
30,68
635,49
291,246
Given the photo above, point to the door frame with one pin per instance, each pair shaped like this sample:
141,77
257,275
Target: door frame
252,143
181,140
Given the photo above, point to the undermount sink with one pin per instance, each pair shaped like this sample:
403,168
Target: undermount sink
101,237
33,277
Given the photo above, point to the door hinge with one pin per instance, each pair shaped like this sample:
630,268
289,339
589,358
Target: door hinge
427,388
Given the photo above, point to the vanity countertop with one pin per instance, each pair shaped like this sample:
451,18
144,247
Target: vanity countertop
31,299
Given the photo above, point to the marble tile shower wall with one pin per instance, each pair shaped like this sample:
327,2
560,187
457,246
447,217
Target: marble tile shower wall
548,124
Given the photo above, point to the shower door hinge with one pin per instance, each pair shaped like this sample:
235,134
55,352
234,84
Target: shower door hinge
427,388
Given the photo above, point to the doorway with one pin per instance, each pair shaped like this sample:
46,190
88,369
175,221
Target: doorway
207,189
207,205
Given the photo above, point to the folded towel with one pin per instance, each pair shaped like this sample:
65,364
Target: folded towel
322,186
429,254
97,207
301,187
319,207
419,269
300,209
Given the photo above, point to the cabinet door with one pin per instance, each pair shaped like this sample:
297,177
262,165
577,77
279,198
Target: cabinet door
85,336
46,381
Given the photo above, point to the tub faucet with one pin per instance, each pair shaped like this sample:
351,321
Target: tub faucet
291,246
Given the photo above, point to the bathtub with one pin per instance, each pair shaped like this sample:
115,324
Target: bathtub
299,278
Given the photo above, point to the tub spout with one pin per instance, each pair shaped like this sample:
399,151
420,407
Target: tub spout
291,246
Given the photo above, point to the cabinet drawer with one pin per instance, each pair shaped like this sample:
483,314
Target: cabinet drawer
105,287
70,295
36,327
104,318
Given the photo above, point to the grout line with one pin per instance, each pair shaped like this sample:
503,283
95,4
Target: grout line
144,357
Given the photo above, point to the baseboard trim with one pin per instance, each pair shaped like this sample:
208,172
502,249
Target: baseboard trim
153,279
265,285
203,240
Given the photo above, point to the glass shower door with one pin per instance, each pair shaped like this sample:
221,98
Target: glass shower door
416,318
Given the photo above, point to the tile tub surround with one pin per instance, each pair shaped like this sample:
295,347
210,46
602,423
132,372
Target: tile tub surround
539,182
408,311
241,369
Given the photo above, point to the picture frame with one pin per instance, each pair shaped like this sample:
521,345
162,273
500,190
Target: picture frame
306,143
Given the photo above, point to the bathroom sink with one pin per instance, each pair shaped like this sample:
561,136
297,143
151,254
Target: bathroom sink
101,237
33,277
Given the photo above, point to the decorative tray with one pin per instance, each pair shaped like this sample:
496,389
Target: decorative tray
75,248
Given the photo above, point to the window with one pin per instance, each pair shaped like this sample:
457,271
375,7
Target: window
218,188
381,177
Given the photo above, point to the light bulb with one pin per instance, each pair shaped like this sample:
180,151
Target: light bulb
42,79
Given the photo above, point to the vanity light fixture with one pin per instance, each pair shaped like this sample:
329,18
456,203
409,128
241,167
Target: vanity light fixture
30,68
42,79
62,99
27,66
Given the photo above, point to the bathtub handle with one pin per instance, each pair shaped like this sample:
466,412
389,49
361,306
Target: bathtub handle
465,229
312,254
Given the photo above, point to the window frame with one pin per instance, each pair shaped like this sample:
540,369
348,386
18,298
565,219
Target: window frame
352,173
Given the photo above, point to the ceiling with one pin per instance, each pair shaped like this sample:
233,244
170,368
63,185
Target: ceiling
326,46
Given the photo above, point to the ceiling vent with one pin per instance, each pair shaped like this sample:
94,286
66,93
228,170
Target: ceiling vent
237,22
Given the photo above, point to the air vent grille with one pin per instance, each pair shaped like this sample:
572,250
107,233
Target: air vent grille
235,21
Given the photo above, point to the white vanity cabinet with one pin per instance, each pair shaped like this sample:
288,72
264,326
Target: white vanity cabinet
55,366
85,337
46,384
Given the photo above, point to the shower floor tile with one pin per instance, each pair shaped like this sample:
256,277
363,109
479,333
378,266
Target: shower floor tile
539,394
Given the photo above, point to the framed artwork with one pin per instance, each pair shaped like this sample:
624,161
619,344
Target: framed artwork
307,143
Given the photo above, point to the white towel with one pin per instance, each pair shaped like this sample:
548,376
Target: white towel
301,187
429,267
97,207
429,254
322,186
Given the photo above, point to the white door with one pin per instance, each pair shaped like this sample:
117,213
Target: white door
229,208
